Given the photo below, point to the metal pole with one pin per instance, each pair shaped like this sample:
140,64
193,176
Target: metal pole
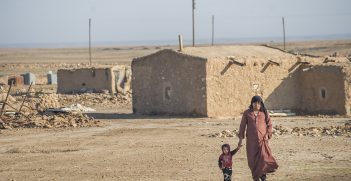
193,22
212,30
90,40
284,31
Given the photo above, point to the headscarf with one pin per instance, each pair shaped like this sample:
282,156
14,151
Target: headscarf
262,109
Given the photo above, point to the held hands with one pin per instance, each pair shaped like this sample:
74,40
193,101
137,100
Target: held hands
240,144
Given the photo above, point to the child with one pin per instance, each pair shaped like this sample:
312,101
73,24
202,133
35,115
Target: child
225,161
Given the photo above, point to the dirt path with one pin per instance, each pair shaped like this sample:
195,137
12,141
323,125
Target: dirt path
161,148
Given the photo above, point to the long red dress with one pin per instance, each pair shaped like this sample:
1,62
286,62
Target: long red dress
259,155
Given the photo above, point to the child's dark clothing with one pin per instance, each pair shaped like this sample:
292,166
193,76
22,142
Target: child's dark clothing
227,174
225,163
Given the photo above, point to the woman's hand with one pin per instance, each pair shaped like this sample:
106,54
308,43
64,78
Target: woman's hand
240,143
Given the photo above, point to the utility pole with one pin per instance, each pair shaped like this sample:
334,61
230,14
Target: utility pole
180,42
193,9
212,30
90,40
284,31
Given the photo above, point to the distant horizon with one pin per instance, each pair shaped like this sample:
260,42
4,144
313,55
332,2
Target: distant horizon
174,42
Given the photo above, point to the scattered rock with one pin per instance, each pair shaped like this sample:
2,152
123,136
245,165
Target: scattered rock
224,134
314,131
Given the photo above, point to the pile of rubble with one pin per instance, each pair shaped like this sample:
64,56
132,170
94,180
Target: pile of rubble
278,130
36,112
45,101
342,130
223,134
62,120
93,99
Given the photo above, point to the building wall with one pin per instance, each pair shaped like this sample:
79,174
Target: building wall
86,79
4,79
347,71
123,77
323,90
169,82
230,87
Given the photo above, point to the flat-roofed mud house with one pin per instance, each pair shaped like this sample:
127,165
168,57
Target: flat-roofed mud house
96,79
220,81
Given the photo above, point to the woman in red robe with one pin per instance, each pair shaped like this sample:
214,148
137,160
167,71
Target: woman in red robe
258,126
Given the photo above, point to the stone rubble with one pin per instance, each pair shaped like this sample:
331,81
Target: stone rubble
223,134
49,121
92,99
279,130
342,130
35,114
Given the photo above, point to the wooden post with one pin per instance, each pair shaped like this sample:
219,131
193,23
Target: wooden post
212,30
193,9
4,103
180,42
284,31
25,96
19,112
90,40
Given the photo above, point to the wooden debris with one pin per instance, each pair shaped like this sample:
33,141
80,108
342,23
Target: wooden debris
273,62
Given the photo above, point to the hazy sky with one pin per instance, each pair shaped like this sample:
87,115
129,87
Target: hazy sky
65,21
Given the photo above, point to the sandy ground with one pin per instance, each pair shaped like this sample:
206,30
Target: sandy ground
164,148
319,48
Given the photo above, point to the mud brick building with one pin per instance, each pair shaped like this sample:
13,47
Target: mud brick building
220,81
94,79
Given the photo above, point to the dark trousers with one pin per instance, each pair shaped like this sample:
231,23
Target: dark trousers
227,174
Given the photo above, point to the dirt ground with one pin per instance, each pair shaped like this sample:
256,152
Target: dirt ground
319,48
164,148
131,147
